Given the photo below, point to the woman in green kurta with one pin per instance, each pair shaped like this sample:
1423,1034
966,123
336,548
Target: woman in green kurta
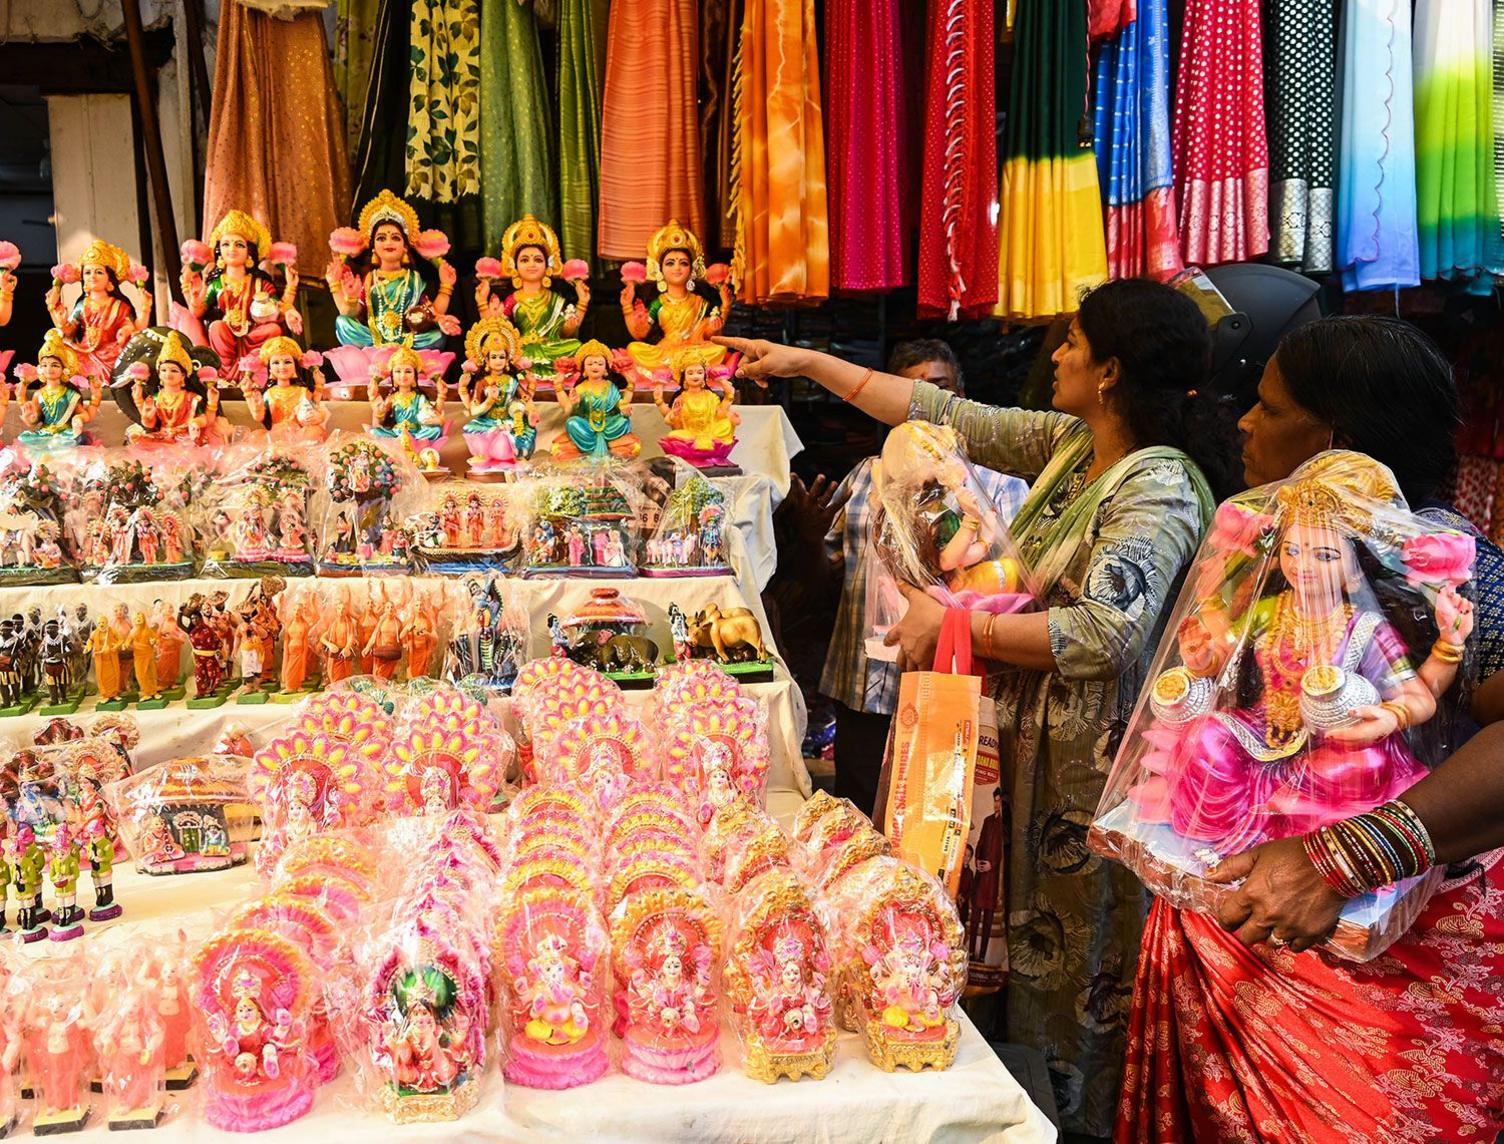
1116,510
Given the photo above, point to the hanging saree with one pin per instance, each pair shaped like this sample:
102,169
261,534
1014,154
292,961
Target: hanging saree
650,129
516,145
276,144
1457,200
1052,244
1377,244
720,31
1133,147
958,244
867,133
582,68
1221,149
443,119
355,24
1232,1043
1109,554
1301,72
381,155
782,228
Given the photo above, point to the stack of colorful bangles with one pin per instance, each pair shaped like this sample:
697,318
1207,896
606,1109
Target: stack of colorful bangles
1358,855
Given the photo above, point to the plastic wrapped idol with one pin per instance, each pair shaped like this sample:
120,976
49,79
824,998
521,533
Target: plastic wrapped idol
127,522
606,633
254,520
716,753
129,1048
252,990
12,1045
902,964
604,753
778,979
58,1047
487,637
692,533
35,547
557,700
305,782
1318,627
185,815
463,527
582,524
935,527
448,751
366,497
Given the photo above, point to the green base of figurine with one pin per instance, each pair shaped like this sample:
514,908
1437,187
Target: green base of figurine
750,671
252,698
20,708
633,680
175,693
67,707
116,704
205,702
156,704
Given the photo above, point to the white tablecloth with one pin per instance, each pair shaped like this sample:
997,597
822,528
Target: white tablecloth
975,1100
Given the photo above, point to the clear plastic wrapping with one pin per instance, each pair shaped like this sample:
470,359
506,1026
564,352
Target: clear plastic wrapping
1302,640
935,527
583,522
130,522
716,752
35,546
185,815
487,636
369,490
256,519
461,526
691,534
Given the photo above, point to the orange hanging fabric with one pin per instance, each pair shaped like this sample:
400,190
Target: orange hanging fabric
650,126
778,166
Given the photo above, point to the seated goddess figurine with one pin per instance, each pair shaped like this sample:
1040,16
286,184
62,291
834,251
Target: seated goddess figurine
238,300
389,304
547,323
702,424
682,315
175,405
493,348
102,320
406,413
596,421
290,406
55,415
1295,685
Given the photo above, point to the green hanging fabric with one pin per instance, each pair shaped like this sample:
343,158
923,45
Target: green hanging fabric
516,151
355,25
443,117
582,67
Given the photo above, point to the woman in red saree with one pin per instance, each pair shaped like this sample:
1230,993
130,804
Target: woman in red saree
1238,1030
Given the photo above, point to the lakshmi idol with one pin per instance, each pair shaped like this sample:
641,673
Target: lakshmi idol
290,406
548,323
102,320
167,398
681,314
702,424
597,421
389,303
493,348
55,413
239,301
1300,667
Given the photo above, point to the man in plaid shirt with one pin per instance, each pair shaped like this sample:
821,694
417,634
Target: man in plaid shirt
866,691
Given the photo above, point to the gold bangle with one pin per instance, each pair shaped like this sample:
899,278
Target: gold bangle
987,633
1400,712
861,385
971,522
1448,652
445,291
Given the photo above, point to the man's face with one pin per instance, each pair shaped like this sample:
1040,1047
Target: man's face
936,373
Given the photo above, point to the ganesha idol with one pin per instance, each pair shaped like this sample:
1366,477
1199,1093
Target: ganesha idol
1283,702
234,305
383,299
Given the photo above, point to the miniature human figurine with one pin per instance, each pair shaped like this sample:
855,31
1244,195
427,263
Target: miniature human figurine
58,1057
98,835
683,317
144,647
63,870
106,661
12,652
530,258
303,615
55,415
405,413
27,867
291,408
495,442
128,1046
384,646
596,412
56,649
418,638
170,640
702,424
389,304
239,299
172,414
340,643
102,320
205,644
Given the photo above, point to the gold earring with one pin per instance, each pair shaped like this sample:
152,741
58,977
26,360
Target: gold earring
1101,393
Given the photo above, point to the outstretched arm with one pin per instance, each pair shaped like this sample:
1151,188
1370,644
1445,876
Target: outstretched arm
884,396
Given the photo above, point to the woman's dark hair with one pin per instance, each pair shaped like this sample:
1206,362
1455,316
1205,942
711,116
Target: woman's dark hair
1163,347
1385,389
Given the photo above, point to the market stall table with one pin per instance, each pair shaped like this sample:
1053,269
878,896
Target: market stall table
975,1100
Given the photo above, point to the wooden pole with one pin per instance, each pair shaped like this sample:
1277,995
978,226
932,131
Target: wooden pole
151,135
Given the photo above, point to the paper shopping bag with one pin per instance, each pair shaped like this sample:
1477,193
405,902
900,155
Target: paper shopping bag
926,786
